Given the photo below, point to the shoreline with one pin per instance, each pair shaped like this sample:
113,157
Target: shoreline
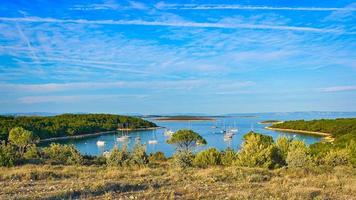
95,134
276,122
326,136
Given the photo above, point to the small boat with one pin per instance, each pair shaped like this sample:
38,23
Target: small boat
168,133
234,130
100,143
123,138
152,141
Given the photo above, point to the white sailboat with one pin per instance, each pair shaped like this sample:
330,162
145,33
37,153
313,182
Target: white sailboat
153,140
168,133
123,138
234,130
100,143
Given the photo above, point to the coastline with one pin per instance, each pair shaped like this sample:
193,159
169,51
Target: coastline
95,134
276,122
326,136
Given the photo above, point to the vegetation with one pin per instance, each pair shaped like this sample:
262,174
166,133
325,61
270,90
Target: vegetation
185,118
343,130
186,139
270,122
339,128
261,169
70,124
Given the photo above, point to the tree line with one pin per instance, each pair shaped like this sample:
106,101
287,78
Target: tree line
69,124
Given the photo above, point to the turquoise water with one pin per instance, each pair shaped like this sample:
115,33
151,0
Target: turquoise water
244,124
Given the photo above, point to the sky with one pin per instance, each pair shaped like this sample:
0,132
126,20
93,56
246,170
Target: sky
161,57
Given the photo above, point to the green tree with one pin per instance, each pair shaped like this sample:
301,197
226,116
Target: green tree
21,138
186,139
258,151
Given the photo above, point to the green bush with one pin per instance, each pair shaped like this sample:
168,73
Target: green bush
183,159
62,154
118,157
337,157
138,155
258,151
207,157
32,152
228,157
298,155
157,156
7,155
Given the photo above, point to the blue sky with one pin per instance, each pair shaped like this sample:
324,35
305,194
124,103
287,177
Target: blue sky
155,57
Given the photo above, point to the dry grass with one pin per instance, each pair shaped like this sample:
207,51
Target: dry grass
163,182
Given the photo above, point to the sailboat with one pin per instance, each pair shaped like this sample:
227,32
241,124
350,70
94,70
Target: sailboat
100,143
168,132
153,141
234,129
123,138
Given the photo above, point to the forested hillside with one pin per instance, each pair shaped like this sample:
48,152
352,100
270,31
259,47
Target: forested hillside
70,124
343,127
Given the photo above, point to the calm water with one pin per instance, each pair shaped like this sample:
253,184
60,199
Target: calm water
214,139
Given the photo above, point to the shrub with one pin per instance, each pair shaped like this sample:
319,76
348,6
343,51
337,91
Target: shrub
118,157
21,138
7,155
157,156
138,156
298,155
336,157
62,154
31,152
183,159
258,151
228,157
282,144
207,157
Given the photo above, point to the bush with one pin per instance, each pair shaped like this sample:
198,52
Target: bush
157,156
62,154
298,155
207,157
7,155
337,157
258,151
138,156
183,159
228,157
118,157
31,152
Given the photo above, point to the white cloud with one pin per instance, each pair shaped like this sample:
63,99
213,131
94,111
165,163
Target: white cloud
339,88
176,24
165,6
180,85
73,98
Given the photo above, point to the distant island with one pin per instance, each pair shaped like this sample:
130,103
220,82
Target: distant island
270,122
72,125
185,118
